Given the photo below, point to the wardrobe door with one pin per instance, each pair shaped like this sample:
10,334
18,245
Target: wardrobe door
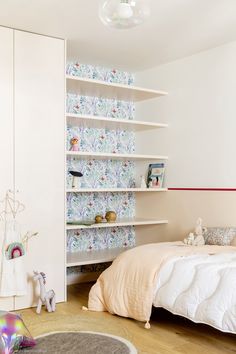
40,157
6,130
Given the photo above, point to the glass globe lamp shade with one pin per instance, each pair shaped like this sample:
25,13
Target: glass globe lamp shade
124,13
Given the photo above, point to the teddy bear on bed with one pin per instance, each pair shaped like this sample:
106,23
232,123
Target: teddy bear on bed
196,238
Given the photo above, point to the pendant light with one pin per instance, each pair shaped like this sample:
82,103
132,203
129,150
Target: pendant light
123,14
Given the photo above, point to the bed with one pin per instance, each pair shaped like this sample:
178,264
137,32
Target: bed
198,283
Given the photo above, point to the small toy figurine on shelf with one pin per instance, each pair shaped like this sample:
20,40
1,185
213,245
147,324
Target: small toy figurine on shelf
74,142
75,180
47,298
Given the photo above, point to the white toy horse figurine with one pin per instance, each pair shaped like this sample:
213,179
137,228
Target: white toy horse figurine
47,298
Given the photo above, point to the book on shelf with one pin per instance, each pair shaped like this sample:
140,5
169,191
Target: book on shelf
155,176
82,222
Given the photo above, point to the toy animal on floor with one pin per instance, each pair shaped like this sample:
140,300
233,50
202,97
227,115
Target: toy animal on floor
47,298
196,238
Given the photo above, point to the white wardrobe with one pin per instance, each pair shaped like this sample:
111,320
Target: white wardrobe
32,145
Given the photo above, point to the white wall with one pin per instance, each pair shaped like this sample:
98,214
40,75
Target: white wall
182,208
201,111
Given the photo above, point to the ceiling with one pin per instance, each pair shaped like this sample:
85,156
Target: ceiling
176,28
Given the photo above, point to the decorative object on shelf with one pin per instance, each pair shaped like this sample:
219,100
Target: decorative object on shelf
47,298
14,334
110,216
142,182
75,180
74,142
155,176
196,238
98,219
122,14
83,222
15,250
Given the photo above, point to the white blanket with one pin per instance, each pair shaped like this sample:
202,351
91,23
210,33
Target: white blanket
195,282
201,288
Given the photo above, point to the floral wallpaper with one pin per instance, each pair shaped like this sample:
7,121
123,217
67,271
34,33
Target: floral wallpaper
85,206
95,239
99,73
99,106
102,140
100,173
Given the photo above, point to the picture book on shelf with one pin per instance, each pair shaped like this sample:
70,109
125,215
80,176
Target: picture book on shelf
155,176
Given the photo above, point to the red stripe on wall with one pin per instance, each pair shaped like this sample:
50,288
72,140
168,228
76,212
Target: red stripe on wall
204,189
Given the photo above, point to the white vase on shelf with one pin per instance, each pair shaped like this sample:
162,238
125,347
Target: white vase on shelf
142,182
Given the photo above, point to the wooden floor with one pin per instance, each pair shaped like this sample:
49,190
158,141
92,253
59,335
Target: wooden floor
168,334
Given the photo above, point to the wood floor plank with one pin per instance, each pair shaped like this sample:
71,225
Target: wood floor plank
169,334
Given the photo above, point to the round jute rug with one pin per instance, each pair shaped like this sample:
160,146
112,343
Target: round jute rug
81,343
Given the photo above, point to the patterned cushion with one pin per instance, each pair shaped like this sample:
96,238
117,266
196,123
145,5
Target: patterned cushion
233,243
221,236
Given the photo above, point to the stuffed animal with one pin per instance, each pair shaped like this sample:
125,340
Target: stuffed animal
190,239
47,298
196,238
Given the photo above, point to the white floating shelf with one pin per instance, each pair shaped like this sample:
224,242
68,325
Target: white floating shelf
112,123
93,257
119,223
89,87
115,156
98,190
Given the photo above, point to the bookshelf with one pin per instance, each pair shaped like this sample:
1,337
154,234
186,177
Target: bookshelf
89,87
